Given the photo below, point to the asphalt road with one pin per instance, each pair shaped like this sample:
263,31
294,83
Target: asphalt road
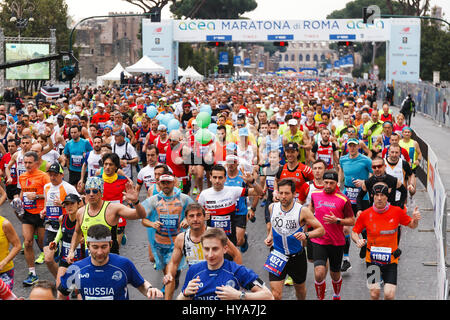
415,281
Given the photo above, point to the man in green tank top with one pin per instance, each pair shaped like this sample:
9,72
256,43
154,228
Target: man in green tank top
98,211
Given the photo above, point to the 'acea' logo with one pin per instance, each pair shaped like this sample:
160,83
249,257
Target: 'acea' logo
353,24
196,25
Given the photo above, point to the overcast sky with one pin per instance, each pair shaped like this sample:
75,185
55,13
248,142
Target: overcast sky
267,9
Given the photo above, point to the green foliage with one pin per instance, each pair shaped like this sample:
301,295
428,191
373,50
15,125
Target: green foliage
434,50
48,14
212,9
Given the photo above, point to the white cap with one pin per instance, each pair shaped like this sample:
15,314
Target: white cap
276,109
292,122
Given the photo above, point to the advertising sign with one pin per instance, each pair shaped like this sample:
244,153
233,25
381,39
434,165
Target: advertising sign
24,51
404,51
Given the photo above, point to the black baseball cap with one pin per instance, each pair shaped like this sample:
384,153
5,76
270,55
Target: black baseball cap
56,167
72,197
291,146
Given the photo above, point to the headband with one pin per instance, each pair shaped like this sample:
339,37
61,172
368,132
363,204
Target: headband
331,175
91,239
380,188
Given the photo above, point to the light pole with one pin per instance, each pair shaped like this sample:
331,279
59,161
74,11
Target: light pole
22,13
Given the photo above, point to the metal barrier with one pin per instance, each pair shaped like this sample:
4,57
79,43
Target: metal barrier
430,100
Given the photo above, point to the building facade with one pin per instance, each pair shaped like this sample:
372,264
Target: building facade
104,42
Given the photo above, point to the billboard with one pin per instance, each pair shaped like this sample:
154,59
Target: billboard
24,51
280,30
403,52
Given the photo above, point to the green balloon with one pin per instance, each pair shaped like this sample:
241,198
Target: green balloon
203,136
203,119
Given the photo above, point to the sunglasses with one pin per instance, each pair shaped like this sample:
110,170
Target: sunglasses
94,191
378,166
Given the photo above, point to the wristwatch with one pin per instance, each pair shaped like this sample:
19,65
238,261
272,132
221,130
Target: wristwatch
307,235
242,296
338,221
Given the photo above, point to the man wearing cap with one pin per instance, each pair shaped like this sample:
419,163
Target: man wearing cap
107,213
126,153
100,118
164,220
75,150
381,221
67,222
54,194
294,134
353,166
293,169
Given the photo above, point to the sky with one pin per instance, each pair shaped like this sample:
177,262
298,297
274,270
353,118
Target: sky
267,9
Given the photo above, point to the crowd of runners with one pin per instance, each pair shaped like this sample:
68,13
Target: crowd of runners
193,162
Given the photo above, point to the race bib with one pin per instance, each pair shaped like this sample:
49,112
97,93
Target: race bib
77,161
270,182
380,255
326,158
162,157
352,193
276,262
170,223
65,251
28,204
223,222
53,212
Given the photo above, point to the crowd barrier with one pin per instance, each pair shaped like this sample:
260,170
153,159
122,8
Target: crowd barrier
428,173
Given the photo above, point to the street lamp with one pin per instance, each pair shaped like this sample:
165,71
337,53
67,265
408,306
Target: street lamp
21,13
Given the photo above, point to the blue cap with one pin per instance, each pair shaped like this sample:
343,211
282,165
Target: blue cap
353,140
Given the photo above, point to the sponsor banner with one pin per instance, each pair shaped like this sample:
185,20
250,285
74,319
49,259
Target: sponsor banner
158,44
223,58
404,51
291,30
237,61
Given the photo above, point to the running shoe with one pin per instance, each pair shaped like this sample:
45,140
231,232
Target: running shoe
22,251
346,265
195,191
40,259
335,297
244,247
124,239
263,203
30,280
288,281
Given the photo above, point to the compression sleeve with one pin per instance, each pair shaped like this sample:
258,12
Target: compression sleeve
58,235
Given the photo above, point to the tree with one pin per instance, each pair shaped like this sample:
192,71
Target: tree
434,41
212,9
48,14
148,5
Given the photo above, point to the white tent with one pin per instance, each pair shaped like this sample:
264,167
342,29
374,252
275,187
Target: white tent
181,72
192,74
113,75
145,65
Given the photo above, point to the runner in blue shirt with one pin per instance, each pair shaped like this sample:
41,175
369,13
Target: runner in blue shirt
234,179
75,151
104,275
353,166
220,279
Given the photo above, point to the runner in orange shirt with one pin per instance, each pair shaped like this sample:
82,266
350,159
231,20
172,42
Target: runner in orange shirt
32,183
381,222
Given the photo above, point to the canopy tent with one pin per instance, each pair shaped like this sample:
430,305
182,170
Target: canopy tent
181,72
113,75
192,74
145,65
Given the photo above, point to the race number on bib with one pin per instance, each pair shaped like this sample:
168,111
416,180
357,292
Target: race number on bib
223,222
53,212
380,255
352,194
170,223
276,262
77,161
28,204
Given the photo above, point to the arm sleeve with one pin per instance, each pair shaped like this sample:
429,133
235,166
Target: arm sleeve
360,197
